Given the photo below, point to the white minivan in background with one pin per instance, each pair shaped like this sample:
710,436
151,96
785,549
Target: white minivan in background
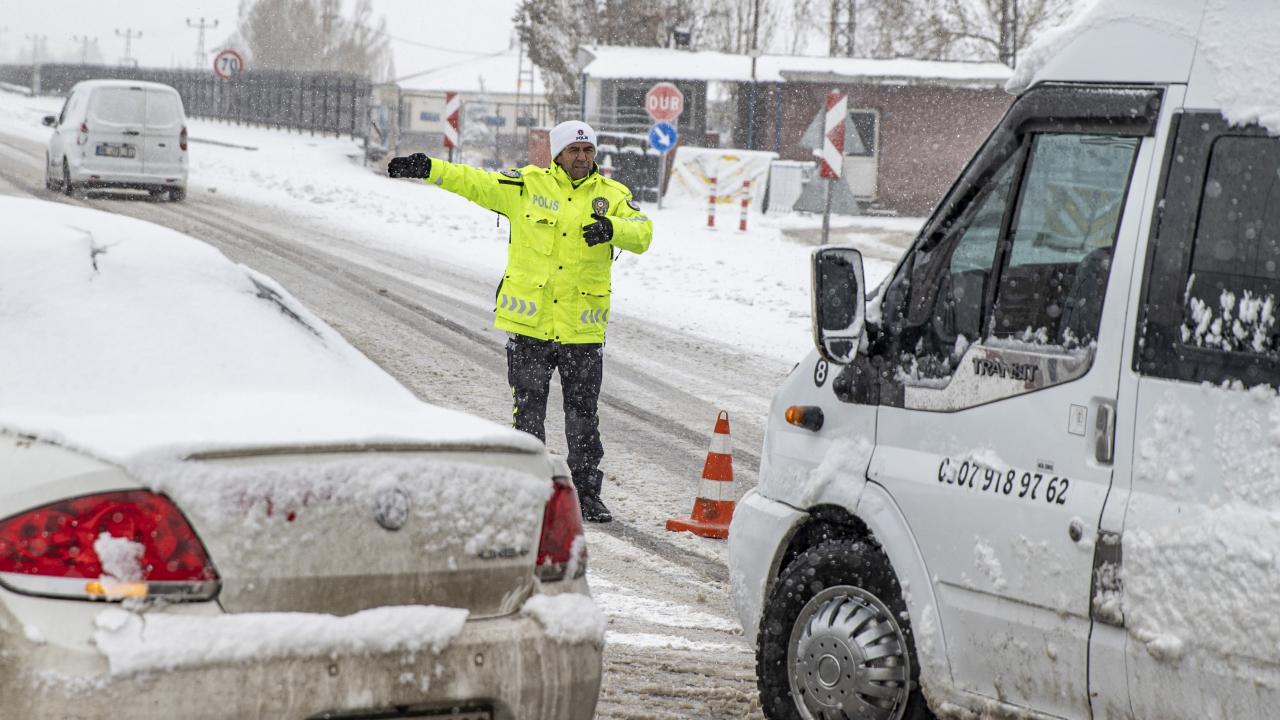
119,134
1036,474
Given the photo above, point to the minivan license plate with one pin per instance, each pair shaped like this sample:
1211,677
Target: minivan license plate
113,150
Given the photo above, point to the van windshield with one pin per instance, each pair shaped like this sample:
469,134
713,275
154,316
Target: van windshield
119,106
163,109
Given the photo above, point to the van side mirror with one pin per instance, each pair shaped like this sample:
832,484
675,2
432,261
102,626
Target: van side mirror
839,303
49,120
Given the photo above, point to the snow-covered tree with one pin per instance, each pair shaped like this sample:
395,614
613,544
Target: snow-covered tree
552,31
309,35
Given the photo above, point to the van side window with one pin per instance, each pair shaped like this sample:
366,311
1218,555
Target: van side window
1212,278
1049,276
1235,260
1052,284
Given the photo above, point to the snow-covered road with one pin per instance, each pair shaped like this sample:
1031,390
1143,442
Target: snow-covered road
704,322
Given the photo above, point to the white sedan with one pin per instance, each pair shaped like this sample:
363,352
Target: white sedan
213,506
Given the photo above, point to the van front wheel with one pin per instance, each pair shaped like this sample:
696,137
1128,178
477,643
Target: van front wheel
835,640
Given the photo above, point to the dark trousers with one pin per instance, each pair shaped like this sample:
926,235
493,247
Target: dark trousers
530,363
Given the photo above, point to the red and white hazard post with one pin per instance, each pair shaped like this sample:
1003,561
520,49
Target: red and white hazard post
451,106
746,205
711,204
833,149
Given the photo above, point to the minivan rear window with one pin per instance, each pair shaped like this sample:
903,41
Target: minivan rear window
162,109
119,106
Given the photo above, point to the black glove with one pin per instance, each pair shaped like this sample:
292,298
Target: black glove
416,165
600,231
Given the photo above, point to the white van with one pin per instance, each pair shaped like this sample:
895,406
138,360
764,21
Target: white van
119,133
1037,473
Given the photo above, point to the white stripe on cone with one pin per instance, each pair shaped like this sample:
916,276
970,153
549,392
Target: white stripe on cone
715,489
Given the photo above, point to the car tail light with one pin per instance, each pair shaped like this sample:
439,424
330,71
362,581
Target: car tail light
50,550
182,139
83,137
563,544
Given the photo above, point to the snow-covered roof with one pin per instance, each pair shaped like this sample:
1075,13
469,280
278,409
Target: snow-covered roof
1225,50
620,63
138,340
497,73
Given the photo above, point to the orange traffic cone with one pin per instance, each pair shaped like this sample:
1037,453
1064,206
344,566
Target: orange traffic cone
713,507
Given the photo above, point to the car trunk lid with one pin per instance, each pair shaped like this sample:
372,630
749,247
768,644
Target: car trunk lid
341,531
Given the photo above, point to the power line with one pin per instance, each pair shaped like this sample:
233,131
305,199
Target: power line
200,53
415,43
446,67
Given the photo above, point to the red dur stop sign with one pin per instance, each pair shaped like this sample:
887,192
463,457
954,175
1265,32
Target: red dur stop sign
664,102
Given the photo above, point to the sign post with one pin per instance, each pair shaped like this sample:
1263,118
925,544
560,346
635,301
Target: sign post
227,64
451,106
664,102
832,150
662,137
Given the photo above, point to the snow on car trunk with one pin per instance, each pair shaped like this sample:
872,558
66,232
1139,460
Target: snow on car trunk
343,533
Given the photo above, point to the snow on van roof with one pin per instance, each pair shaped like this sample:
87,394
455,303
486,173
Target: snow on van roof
109,83
620,63
1224,49
128,340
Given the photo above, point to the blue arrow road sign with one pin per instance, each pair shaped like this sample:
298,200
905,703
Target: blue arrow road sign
662,137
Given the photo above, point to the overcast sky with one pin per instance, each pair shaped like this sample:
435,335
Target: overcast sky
472,26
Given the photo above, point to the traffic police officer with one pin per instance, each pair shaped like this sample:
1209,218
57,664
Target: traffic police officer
554,296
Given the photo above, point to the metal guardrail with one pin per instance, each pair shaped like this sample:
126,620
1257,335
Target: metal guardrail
315,102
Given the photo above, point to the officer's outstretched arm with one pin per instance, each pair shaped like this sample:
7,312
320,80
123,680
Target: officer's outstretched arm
632,229
497,191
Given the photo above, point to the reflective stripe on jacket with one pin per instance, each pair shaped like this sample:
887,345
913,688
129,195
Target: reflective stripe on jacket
555,287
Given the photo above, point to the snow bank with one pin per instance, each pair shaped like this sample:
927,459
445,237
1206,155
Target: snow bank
136,339
568,617
134,643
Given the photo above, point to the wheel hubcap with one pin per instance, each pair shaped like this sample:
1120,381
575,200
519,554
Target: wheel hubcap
848,659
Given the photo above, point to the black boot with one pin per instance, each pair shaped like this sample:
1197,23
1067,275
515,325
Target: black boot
593,509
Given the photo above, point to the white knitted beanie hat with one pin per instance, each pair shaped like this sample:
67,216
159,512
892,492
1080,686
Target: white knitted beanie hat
569,132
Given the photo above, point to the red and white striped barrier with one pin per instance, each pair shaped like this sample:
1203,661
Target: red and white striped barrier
746,203
711,204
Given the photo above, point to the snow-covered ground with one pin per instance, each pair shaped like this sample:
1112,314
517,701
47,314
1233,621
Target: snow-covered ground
746,290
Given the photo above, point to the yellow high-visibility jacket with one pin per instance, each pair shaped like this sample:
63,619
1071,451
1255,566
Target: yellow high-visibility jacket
555,287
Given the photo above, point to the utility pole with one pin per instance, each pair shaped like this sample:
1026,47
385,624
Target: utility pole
1009,32
844,14
39,43
85,41
129,34
200,54
328,13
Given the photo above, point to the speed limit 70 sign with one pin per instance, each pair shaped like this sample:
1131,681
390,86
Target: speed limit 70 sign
227,64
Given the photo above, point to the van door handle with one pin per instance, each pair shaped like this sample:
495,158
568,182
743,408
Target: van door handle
131,132
1104,432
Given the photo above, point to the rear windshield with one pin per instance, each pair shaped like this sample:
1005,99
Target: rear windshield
120,106
163,108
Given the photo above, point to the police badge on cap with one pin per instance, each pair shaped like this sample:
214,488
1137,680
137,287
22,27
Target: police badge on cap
600,206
